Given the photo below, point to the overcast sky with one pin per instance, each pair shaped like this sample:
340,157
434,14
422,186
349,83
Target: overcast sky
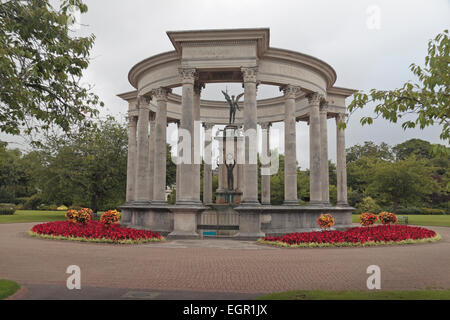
334,31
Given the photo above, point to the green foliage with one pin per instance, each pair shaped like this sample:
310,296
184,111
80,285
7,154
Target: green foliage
402,181
427,100
88,169
41,66
433,211
7,210
368,205
370,150
420,148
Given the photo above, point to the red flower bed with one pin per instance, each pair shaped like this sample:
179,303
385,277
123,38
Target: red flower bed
382,233
93,230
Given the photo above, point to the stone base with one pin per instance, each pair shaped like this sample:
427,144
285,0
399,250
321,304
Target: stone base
185,221
226,196
255,220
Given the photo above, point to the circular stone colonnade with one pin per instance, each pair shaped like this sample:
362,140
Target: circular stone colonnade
243,56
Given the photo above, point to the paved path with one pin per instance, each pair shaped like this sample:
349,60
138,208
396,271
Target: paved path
213,268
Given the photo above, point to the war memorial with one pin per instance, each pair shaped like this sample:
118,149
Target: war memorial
223,56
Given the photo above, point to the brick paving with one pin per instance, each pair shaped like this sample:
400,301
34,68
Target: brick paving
220,266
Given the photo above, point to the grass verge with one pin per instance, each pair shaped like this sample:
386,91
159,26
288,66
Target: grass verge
359,295
97,240
348,244
33,216
8,288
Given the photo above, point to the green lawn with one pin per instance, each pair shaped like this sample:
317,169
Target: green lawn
33,216
7,288
421,220
359,295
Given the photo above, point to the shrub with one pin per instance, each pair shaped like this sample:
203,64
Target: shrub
387,217
7,210
432,211
75,207
367,219
109,217
50,207
82,216
33,202
368,205
410,210
62,208
325,221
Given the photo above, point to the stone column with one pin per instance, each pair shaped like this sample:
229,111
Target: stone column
265,166
341,163
142,183
187,176
207,165
177,177
315,189
290,146
196,138
151,155
250,192
131,161
159,187
325,183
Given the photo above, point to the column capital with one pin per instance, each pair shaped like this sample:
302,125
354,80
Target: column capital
323,106
249,74
132,120
143,101
315,98
198,86
160,94
152,116
265,125
208,125
188,75
290,91
340,117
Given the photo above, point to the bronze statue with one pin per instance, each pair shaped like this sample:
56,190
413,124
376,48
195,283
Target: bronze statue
233,103
230,177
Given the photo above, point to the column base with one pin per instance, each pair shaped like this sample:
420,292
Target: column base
316,203
290,203
140,203
342,204
250,203
158,202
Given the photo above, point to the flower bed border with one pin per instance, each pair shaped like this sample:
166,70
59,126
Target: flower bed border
281,244
95,240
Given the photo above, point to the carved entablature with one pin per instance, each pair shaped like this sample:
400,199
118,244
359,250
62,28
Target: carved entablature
249,74
290,92
188,75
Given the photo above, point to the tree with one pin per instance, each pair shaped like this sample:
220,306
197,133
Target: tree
40,68
428,100
418,147
369,149
88,169
401,181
